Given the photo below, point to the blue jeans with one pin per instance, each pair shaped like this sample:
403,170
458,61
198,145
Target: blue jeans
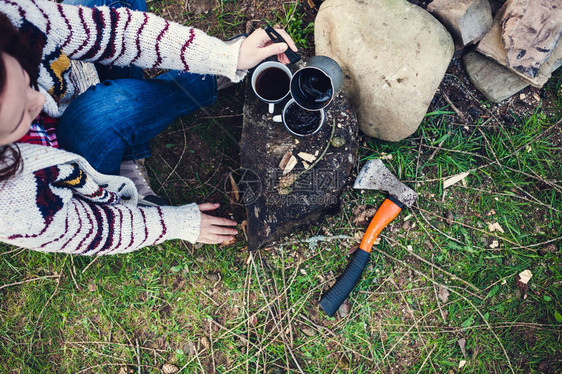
115,120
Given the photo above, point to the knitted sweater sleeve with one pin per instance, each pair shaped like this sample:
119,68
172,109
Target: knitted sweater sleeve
63,208
119,36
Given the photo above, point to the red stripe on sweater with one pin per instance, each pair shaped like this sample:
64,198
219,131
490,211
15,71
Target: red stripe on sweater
20,9
129,17
66,226
91,225
48,28
138,38
144,225
132,228
158,39
110,48
86,31
164,228
184,48
98,17
69,37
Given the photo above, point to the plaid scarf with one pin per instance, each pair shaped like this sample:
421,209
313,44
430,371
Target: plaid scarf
42,132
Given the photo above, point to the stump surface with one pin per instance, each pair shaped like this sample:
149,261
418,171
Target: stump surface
273,211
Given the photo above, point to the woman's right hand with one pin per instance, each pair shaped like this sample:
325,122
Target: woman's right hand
214,230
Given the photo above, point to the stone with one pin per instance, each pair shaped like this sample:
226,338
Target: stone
493,80
393,55
466,20
276,203
493,47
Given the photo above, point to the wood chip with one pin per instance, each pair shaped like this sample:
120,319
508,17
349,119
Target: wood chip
525,276
288,163
307,156
454,179
495,227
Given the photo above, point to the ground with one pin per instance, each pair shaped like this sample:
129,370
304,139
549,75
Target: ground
442,292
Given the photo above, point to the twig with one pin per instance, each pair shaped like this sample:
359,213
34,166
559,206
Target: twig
426,358
90,264
28,280
457,111
138,357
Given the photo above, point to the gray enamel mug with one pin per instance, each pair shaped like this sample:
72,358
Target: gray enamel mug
314,86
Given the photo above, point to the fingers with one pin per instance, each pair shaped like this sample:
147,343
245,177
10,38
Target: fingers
258,46
215,230
208,206
287,39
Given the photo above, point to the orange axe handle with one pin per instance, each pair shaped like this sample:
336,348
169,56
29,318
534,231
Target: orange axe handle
386,213
345,283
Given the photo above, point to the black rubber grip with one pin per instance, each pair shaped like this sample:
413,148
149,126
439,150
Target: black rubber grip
332,300
276,38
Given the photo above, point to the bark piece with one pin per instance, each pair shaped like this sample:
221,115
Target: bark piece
530,31
277,211
492,46
466,20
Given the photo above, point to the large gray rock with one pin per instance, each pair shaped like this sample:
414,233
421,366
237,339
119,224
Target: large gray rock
394,55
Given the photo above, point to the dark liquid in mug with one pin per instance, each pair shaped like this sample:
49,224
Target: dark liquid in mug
315,86
302,121
272,84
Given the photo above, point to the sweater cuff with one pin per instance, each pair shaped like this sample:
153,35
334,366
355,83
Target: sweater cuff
184,222
226,58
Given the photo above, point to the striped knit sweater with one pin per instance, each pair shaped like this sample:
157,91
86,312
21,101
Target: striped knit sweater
113,37
59,203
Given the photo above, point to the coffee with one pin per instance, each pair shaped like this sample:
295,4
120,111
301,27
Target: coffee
302,121
272,84
315,86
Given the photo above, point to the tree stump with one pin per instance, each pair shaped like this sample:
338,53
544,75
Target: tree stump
274,210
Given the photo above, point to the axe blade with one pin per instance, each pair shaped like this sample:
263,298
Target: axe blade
375,176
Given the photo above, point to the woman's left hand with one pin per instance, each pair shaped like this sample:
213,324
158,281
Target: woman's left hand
258,46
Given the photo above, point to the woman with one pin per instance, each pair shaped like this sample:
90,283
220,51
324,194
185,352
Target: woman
69,199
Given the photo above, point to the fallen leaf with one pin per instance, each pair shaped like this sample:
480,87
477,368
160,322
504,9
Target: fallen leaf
495,227
462,345
205,342
363,217
92,287
287,181
170,369
495,244
343,310
449,218
226,243
462,363
454,179
234,191
126,370
306,165
443,294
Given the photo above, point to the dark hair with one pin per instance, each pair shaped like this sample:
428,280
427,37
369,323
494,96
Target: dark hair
26,51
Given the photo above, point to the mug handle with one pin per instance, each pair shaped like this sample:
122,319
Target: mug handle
277,118
271,108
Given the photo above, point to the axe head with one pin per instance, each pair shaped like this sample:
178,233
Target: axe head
375,176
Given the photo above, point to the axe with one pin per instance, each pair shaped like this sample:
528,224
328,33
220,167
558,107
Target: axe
373,176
